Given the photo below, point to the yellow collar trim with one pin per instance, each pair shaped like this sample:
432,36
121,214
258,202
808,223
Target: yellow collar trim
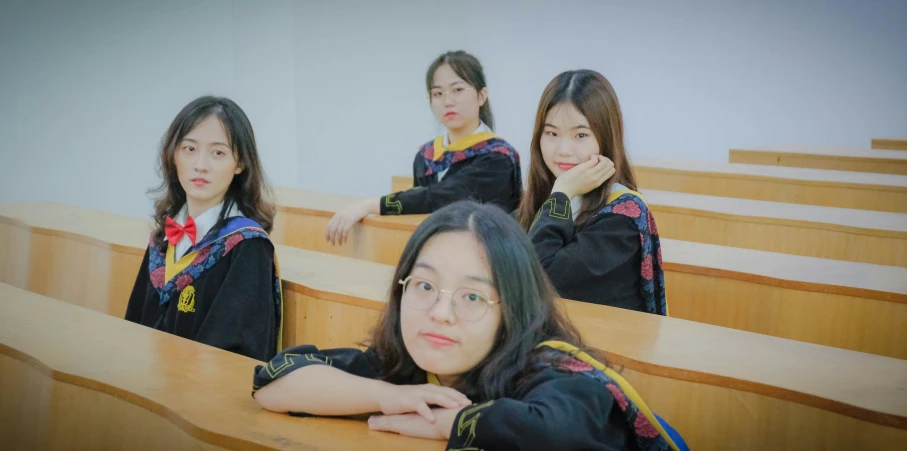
613,196
460,144
433,379
171,267
624,385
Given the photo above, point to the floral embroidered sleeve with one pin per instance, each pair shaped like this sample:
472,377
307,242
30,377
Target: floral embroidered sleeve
558,412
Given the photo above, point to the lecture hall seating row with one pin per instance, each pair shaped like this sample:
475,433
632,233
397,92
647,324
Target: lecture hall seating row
848,305
813,231
694,375
835,158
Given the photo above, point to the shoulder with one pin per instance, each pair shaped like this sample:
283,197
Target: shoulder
427,146
614,223
554,382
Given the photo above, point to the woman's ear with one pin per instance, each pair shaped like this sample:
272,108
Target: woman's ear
483,97
238,170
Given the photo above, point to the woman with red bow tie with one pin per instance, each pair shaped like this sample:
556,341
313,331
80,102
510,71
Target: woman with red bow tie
210,272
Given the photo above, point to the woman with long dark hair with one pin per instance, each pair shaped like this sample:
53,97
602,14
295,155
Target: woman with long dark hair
471,349
468,162
210,273
593,232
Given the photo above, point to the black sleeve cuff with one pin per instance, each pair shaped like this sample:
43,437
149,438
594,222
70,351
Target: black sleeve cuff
390,205
285,362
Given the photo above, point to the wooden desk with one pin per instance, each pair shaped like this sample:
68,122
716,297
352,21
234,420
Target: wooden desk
826,232
834,158
78,379
890,143
761,292
710,382
861,307
863,191
303,216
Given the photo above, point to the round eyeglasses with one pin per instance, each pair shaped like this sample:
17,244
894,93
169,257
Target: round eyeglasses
469,304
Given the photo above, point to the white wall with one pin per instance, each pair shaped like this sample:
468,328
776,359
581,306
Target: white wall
88,89
335,89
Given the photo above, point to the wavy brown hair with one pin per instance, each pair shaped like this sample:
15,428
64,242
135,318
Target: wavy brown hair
530,313
590,93
470,70
249,190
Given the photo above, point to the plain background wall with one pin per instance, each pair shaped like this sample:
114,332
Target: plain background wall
335,90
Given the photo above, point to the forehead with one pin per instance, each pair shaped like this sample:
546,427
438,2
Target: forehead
209,130
455,256
565,115
445,76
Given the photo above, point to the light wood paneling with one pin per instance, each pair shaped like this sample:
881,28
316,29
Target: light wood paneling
834,158
862,191
890,143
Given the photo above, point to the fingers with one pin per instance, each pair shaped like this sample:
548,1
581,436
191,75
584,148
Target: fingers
447,401
425,412
380,423
344,235
329,230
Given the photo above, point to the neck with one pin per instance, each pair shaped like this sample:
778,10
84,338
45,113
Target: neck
448,380
462,132
196,208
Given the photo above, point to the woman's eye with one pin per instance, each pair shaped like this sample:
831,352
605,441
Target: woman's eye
581,135
189,148
425,286
551,133
218,152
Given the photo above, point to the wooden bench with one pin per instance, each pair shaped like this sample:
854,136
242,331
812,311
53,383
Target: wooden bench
114,384
77,379
826,232
834,158
890,143
857,190
842,304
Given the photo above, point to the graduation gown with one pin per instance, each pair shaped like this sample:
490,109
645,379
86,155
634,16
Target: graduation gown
480,167
615,259
574,406
225,292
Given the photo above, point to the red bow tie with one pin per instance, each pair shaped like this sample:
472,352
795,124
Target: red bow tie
175,231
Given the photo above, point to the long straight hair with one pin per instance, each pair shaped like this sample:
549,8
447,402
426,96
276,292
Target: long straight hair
590,93
470,70
249,190
530,314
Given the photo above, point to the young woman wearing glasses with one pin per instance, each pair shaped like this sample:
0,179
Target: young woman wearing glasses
471,349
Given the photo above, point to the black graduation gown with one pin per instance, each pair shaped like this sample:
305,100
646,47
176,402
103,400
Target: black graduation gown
599,263
554,410
490,178
227,297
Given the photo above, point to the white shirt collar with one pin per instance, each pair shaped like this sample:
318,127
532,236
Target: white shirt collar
203,224
481,128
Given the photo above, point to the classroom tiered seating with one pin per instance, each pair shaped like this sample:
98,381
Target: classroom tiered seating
843,304
890,143
812,231
857,190
717,385
77,379
834,158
